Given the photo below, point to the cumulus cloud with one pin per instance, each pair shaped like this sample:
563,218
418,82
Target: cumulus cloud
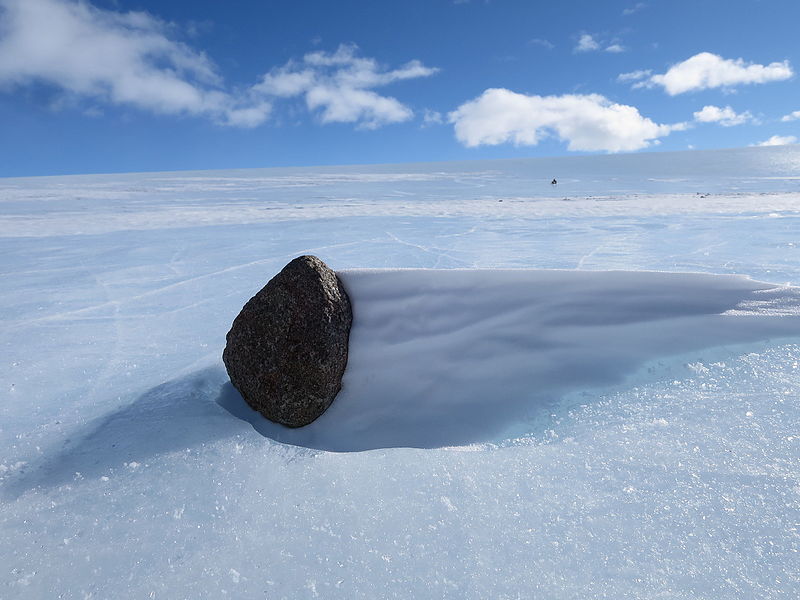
586,43
706,70
727,117
130,59
338,86
586,122
778,140
121,58
793,116
615,48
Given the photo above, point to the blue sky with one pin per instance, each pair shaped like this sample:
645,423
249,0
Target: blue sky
123,85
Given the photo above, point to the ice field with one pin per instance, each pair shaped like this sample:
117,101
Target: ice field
599,398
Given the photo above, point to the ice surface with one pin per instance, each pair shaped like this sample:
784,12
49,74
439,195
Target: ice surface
673,473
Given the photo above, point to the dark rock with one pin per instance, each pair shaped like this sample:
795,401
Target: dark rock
287,350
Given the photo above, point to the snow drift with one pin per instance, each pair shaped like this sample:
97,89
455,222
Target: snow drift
444,358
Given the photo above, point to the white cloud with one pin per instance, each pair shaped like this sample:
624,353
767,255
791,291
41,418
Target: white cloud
338,86
590,43
727,117
586,43
350,105
586,122
706,70
793,116
129,59
778,140
634,75
286,81
248,116
121,58
431,117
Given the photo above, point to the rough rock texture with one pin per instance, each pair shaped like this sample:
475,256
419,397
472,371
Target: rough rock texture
287,350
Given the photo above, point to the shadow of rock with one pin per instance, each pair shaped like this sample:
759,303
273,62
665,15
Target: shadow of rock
173,416
335,431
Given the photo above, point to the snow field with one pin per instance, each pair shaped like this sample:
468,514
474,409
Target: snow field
124,473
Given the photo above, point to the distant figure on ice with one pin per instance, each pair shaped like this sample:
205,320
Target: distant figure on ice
554,182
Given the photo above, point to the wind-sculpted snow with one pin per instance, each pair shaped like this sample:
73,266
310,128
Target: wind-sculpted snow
653,449
457,357
445,358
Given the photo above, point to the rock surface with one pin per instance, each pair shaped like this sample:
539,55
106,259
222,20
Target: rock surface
287,350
